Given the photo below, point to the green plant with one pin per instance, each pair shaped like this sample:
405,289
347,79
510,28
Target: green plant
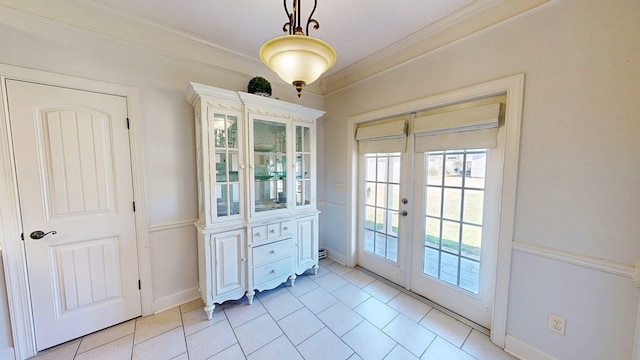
259,85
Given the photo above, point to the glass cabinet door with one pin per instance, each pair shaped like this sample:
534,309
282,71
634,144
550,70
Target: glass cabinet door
303,167
225,161
269,165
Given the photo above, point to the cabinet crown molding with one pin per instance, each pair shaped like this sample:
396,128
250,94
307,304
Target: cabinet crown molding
253,103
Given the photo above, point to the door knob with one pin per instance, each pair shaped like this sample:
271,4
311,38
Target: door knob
404,213
37,235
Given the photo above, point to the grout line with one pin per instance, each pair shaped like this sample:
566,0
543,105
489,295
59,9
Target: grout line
419,297
431,343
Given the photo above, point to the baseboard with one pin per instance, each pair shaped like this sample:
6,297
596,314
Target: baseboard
7,354
336,256
524,351
174,300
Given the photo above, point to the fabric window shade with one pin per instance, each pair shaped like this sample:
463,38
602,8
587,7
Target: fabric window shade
471,128
384,136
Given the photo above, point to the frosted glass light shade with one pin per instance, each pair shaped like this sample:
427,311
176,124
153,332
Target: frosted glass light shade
298,58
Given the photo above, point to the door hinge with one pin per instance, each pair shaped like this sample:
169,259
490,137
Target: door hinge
134,206
128,124
22,236
139,284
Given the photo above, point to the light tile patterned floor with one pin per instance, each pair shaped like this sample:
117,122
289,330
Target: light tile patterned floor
342,313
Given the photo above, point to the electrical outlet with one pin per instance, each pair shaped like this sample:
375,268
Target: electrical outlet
556,323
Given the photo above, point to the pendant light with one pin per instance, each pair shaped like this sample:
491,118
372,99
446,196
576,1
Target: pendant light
298,58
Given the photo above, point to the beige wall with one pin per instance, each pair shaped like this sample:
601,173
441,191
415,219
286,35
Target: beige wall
167,134
579,178
579,181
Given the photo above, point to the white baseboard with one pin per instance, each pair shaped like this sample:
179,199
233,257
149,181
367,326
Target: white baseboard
7,354
174,300
523,350
336,256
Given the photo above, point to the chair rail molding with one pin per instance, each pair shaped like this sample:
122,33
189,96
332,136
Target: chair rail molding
615,268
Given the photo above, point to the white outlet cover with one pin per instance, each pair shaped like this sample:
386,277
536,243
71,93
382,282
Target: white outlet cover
556,323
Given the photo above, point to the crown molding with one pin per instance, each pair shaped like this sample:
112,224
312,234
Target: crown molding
92,5
92,17
79,16
469,21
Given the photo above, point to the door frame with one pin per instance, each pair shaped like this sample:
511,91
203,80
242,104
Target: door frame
513,87
13,252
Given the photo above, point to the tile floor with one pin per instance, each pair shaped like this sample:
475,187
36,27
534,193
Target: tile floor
342,313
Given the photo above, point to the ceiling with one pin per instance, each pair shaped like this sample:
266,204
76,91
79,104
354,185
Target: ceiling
355,28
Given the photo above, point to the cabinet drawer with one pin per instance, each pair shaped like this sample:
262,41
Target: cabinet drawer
259,233
287,228
273,231
267,253
272,271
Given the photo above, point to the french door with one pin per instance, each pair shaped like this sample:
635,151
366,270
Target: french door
429,216
454,239
383,220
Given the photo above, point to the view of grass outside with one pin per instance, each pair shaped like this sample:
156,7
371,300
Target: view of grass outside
454,202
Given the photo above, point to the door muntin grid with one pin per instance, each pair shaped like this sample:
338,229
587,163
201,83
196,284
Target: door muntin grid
382,203
453,219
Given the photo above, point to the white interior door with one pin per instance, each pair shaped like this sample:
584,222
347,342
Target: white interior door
72,157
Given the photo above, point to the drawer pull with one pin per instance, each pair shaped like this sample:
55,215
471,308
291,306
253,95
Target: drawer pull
273,251
285,228
256,234
272,231
273,271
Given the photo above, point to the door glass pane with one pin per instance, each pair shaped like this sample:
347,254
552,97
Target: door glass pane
270,164
370,195
469,274
452,203
393,197
234,195
382,202
394,169
223,137
368,240
303,165
449,268
221,200
434,201
434,169
453,216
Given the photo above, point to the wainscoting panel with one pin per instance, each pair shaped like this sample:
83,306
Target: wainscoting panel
174,263
598,299
333,238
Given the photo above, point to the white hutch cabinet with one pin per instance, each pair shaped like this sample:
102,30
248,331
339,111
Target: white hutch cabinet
258,221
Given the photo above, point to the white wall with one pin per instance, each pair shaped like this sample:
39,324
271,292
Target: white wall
167,132
579,179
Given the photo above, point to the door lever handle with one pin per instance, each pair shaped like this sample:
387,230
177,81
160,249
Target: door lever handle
37,235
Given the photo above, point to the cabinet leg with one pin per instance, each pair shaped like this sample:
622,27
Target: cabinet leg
208,309
250,295
293,279
315,269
